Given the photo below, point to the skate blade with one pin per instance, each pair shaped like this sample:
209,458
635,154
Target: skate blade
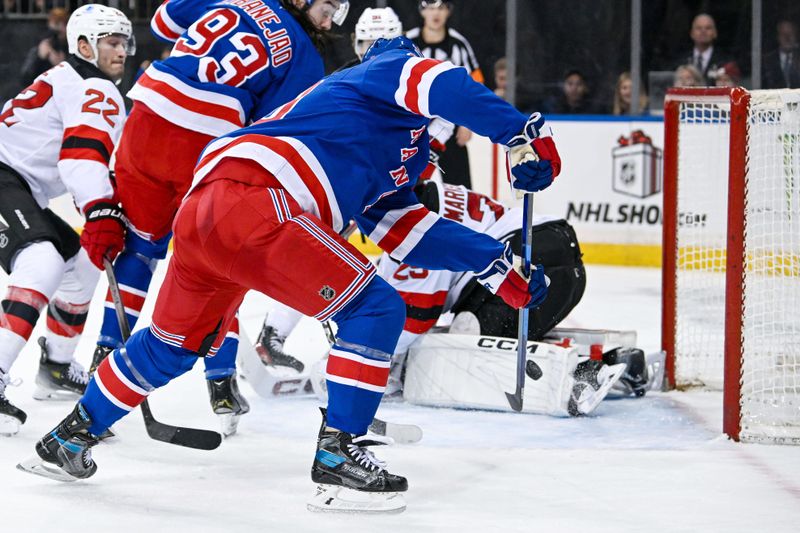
35,465
335,499
9,425
229,423
588,405
54,395
108,436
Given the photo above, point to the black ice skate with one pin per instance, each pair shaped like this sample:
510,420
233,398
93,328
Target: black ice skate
59,381
65,454
100,353
635,380
227,402
593,381
11,416
269,347
350,477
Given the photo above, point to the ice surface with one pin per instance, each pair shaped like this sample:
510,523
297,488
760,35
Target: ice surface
639,465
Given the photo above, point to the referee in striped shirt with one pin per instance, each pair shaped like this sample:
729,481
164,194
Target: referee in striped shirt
438,41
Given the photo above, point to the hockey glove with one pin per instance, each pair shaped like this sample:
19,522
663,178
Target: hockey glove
436,151
533,159
104,232
502,279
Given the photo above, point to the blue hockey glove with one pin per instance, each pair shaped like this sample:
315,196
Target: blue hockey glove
533,159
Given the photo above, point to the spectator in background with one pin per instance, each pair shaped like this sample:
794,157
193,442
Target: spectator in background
437,40
574,98
704,56
500,77
623,93
782,65
50,51
688,76
728,75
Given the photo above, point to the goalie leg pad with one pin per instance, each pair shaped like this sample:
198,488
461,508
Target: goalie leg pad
468,371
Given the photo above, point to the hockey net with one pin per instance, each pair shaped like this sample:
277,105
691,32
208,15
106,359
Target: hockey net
731,294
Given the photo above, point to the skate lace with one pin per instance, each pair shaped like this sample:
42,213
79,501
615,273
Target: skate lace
77,373
365,457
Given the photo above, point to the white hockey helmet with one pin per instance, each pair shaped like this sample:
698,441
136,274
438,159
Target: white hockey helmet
373,24
95,21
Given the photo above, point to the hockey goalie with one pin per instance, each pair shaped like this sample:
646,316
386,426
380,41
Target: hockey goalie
470,363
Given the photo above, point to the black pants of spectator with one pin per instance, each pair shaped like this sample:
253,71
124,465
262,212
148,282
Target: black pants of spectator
455,164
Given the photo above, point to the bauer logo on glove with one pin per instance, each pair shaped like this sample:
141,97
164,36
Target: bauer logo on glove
532,158
104,232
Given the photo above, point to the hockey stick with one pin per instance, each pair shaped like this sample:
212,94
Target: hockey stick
515,400
201,439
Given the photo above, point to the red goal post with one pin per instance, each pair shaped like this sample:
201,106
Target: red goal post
731,254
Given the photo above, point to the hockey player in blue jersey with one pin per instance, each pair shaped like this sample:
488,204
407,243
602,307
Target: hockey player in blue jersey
264,214
233,61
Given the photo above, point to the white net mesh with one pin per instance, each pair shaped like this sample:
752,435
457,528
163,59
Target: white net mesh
702,219
770,387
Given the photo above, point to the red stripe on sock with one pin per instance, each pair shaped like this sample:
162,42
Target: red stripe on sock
116,386
17,325
345,368
413,325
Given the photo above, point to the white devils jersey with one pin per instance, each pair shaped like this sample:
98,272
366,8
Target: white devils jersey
60,132
429,293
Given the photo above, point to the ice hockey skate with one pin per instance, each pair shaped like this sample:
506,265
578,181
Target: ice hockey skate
64,454
11,416
58,381
350,478
227,402
593,381
100,353
269,347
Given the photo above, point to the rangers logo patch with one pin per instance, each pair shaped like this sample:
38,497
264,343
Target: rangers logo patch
3,240
327,293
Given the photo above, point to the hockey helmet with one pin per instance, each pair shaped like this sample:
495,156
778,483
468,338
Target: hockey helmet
385,45
341,12
93,22
374,24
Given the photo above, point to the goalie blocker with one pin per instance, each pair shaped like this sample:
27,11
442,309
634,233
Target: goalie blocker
555,246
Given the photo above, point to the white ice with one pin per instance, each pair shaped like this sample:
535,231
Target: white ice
653,464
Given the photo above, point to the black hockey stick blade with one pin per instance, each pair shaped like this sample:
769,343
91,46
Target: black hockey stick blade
515,400
200,439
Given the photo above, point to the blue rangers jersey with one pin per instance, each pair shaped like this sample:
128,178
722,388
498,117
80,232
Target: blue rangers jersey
353,146
233,61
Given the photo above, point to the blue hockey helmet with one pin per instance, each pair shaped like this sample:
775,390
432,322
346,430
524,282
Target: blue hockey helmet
341,12
385,45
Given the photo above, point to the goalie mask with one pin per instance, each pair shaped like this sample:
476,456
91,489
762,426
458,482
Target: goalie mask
93,22
374,24
340,14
